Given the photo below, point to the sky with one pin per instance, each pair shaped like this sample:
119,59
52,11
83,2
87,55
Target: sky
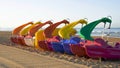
17,12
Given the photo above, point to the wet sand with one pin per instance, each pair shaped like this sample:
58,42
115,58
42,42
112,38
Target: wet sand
92,63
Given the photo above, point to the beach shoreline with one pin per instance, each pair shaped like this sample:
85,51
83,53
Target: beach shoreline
5,39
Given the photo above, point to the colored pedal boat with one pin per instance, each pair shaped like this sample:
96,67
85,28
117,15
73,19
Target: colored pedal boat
100,49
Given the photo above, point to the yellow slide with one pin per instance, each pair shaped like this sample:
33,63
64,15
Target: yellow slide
66,31
23,33
30,40
25,30
39,37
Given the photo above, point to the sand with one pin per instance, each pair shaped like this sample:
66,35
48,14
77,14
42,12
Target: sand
19,58
89,62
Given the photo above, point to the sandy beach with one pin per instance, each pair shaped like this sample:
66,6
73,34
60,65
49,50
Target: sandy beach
89,62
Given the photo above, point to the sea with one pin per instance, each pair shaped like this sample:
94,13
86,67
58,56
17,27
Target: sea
113,32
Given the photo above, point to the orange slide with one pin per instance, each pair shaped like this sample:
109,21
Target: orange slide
17,30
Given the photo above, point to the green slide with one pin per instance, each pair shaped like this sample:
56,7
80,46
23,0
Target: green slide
85,32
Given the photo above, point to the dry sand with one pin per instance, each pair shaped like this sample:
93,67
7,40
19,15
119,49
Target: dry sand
11,57
92,63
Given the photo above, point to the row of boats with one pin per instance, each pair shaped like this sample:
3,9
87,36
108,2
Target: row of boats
64,39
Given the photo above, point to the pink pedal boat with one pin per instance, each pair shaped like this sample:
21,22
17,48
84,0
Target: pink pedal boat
100,49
